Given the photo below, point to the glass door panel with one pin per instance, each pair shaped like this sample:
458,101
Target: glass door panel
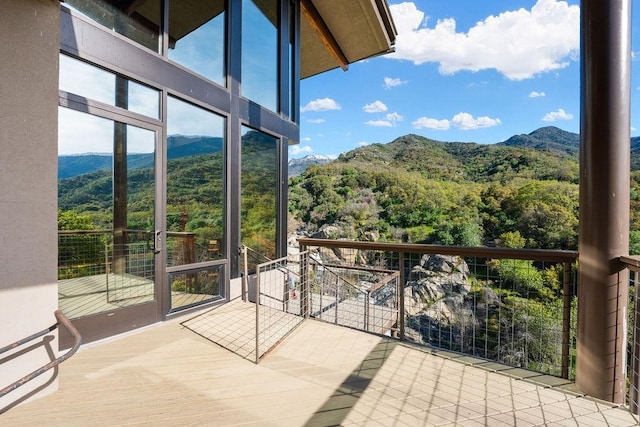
259,189
106,215
195,203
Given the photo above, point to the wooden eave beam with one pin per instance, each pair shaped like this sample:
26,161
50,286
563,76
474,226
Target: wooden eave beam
314,19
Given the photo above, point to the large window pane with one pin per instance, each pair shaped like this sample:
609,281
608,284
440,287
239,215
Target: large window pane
195,184
259,184
260,52
197,37
91,82
195,287
106,199
136,20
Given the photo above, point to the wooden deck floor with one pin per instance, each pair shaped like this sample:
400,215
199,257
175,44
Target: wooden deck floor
320,375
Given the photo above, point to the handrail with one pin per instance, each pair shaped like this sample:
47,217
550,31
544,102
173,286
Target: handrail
557,256
61,320
463,251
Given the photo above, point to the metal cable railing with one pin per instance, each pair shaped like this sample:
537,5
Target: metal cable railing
513,306
633,337
279,301
61,320
358,298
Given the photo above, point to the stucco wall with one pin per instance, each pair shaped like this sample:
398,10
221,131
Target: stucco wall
28,187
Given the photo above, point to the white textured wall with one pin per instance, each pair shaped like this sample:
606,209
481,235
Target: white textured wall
29,32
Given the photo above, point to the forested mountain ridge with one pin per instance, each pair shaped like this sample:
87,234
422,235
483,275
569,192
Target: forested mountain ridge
420,190
523,156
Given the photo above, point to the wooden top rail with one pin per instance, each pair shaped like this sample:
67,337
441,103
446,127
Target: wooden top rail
463,251
632,262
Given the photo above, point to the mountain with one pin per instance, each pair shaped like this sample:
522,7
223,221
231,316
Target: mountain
178,146
458,161
298,166
548,138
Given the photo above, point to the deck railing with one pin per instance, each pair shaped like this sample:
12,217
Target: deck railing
279,303
633,339
513,306
61,320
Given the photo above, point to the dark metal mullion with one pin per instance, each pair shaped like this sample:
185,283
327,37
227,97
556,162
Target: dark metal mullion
284,91
295,89
233,143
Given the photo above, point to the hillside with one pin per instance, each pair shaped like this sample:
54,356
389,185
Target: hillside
178,146
456,161
417,189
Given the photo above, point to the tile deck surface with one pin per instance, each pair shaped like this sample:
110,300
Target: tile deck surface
320,375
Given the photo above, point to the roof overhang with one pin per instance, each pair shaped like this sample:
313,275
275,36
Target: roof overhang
335,33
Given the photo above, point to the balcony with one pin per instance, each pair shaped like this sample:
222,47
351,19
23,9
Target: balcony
323,373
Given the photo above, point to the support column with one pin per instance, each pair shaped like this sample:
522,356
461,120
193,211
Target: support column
604,197
28,191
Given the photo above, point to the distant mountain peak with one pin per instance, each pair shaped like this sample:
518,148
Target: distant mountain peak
298,166
549,138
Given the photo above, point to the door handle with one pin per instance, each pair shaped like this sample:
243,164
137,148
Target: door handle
158,242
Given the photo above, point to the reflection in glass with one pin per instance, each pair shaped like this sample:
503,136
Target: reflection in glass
292,62
91,82
259,183
137,20
106,199
195,287
197,37
195,184
260,53
86,80
143,100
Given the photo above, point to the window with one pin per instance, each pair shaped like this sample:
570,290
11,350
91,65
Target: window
259,189
195,184
136,20
106,200
260,53
88,81
197,37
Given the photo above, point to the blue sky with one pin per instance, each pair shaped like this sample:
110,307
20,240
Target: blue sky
471,71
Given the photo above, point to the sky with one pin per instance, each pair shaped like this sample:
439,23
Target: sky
465,71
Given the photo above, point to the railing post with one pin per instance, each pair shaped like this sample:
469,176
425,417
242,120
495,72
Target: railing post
337,299
305,294
257,315
400,293
245,282
566,319
367,296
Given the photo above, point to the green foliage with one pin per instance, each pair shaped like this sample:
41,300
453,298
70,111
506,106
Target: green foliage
512,239
450,193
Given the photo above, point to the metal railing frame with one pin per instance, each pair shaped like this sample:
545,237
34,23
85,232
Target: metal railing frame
61,320
560,256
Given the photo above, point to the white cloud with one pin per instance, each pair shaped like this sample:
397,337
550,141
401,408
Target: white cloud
557,115
429,123
321,104
316,121
394,117
379,123
518,44
535,94
632,129
466,121
390,82
295,150
375,107
635,55
305,139
363,143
